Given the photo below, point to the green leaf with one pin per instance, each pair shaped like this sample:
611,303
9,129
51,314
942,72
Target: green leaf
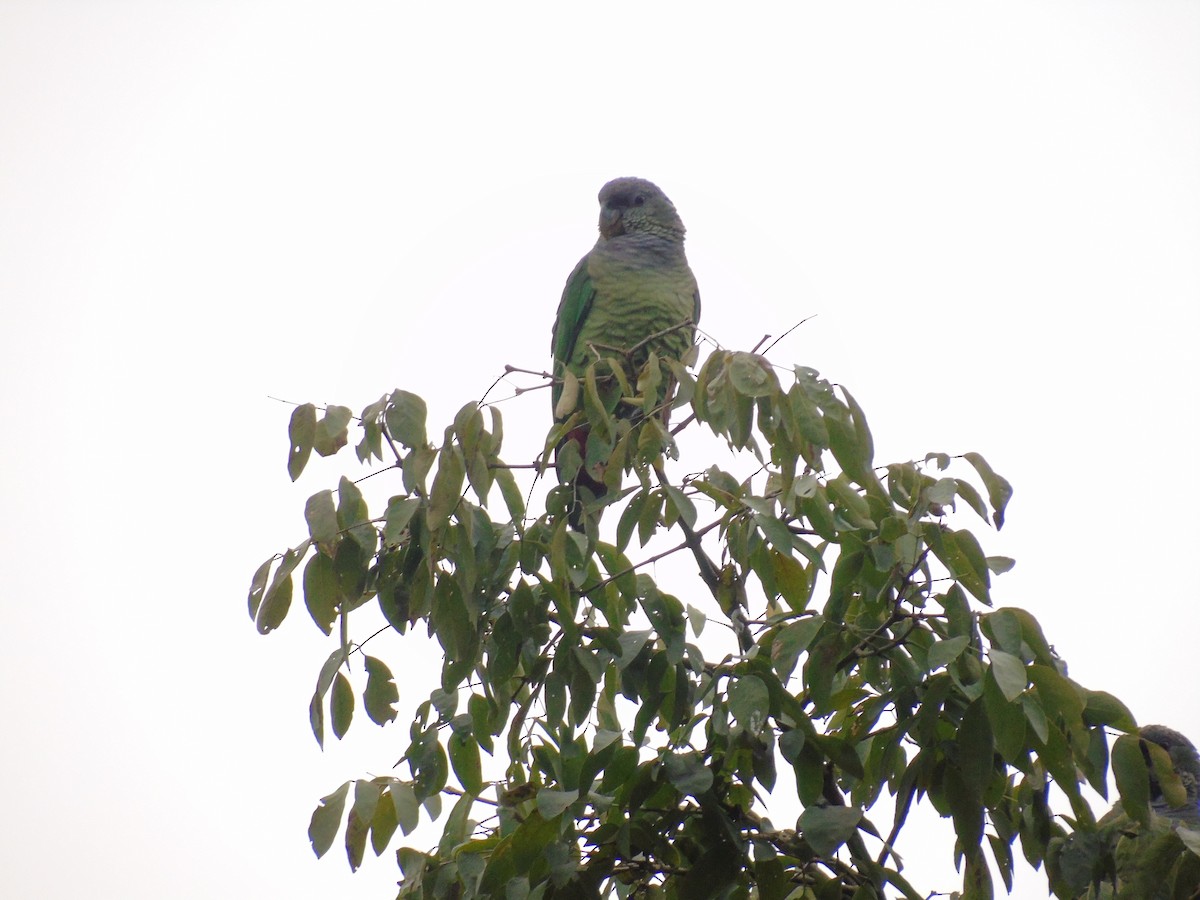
998,565
1007,719
1009,673
967,491
553,803
464,759
278,597
258,584
945,652
792,580
596,409
1102,708
326,818
301,431
1060,697
383,825
828,827
330,434
862,434
749,702
511,493
1004,629
976,749
688,773
316,718
629,518
353,517
408,810
322,520
321,591
405,418
752,375
1190,838
400,511
366,800
372,441
446,492
381,694
775,531
341,705
791,742
999,490
841,752
456,824
791,641
683,505
416,465
960,553
1133,781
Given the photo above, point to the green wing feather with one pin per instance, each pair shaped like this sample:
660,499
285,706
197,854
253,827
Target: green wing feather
573,309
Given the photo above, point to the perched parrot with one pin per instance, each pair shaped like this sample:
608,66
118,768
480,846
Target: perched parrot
633,292
1187,766
1140,855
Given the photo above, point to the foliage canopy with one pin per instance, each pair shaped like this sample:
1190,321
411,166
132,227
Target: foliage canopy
592,744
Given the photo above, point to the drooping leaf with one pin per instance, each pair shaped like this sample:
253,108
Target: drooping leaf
1133,781
383,825
464,760
322,521
330,434
400,511
828,827
258,584
792,640
749,702
408,810
278,596
358,823
380,694
998,488
321,591
301,431
945,652
552,803
1009,673
688,773
752,375
405,418
341,705
326,819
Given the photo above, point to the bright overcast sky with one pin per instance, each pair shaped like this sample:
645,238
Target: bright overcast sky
992,211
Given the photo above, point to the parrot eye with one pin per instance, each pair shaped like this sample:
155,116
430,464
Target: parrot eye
639,200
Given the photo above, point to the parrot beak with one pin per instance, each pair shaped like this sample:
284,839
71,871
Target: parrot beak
610,222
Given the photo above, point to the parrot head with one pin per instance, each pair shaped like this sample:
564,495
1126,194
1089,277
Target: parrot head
630,205
1186,763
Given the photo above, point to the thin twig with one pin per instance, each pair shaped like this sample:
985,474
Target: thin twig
786,333
708,569
508,370
652,559
684,424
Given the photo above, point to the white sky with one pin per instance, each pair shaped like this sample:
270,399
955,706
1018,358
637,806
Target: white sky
993,210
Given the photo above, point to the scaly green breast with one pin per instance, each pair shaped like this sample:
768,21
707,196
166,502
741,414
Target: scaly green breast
634,302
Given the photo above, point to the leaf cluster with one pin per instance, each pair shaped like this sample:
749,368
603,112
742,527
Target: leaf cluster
594,744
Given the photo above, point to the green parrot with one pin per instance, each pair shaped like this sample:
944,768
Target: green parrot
1142,859
632,293
1186,762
